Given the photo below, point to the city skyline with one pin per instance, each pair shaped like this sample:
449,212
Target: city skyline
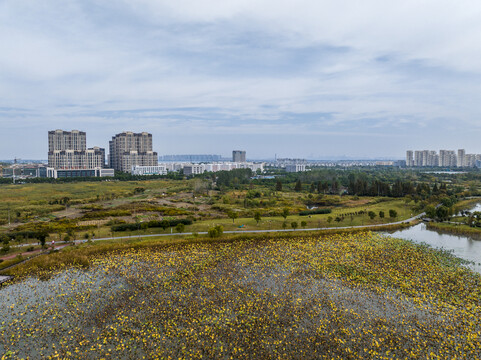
317,80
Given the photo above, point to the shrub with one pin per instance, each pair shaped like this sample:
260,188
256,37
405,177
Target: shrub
216,231
315,211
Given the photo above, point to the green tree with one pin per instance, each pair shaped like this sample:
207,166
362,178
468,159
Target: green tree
233,215
216,231
294,225
180,227
278,185
303,224
430,211
284,225
298,186
285,213
381,214
42,237
329,219
392,213
371,214
442,213
257,217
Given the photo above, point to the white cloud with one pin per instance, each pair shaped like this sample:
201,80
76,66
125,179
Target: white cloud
374,65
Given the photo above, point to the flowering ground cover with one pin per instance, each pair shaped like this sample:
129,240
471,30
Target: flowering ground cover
351,296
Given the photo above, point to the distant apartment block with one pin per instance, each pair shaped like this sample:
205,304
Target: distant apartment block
295,167
193,169
445,158
149,170
67,140
193,158
67,173
67,150
130,149
409,158
239,156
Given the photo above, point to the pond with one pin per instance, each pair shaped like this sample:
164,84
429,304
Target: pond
462,246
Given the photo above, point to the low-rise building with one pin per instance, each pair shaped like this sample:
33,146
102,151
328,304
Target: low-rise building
295,167
149,170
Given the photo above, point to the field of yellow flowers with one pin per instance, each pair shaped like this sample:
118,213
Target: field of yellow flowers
351,296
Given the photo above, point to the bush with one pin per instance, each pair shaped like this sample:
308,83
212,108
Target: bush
5,249
216,231
315,211
151,224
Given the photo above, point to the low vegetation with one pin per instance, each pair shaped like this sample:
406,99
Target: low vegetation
350,296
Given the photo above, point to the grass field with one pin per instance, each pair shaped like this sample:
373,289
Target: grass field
90,207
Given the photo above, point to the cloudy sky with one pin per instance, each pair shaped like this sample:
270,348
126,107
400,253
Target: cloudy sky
305,78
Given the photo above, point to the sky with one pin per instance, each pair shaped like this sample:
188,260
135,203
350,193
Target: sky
308,78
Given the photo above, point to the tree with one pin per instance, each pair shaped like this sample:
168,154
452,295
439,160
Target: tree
303,224
180,227
278,185
41,237
392,213
371,214
285,213
442,213
313,187
430,211
233,215
284,225
257,217
298,186
294,225
381,214
329,219
216,231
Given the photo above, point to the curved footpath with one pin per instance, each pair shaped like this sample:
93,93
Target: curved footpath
259,231
205,232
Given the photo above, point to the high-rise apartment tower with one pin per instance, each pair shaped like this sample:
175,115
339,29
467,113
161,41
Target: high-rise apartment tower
129,149
67,150
238,156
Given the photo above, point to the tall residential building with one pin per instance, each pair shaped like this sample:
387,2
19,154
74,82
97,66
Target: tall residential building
130,149
447,158
461,157
67,150
67,140
238,156
409,158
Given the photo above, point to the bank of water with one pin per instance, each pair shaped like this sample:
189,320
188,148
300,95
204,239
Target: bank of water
461,246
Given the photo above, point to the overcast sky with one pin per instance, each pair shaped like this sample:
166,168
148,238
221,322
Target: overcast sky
315,79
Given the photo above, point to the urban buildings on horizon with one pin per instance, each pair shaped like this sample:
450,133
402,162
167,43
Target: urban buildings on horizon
238,156
130,149
445,158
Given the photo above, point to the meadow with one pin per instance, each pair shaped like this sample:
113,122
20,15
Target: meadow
338,296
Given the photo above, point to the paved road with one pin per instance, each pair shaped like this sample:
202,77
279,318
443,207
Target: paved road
79,241
261,231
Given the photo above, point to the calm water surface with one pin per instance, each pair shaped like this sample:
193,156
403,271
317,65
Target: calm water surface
462,246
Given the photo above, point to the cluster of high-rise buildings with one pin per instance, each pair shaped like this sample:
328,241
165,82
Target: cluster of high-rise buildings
68,155
445,158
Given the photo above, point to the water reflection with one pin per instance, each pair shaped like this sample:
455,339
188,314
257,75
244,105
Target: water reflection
461,246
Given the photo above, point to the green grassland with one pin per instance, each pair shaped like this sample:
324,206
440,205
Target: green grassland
91,208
